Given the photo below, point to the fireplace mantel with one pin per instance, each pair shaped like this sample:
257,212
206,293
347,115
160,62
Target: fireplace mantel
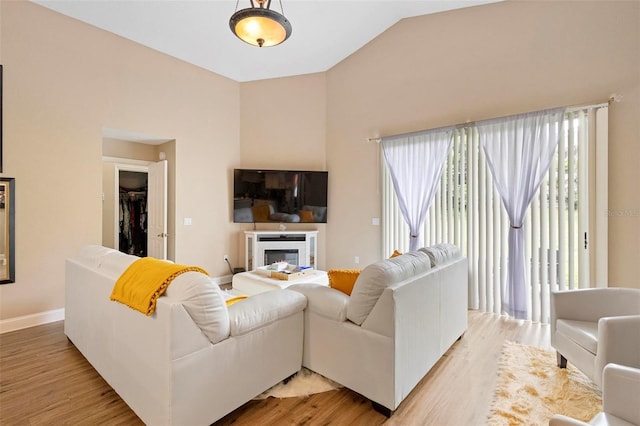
258,245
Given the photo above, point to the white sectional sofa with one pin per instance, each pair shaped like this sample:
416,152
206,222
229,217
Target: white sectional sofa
194,360
401,317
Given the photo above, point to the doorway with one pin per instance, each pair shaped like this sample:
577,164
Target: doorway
140,209
138,194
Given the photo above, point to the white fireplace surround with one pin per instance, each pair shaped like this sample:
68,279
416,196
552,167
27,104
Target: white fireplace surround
258,242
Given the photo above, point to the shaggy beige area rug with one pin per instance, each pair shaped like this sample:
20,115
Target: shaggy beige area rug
304,383
531,388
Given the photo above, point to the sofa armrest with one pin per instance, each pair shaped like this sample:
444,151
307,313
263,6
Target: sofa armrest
618,341
325,301
263,309
620,390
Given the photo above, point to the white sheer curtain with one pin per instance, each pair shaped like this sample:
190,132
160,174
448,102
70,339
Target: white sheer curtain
415,163
519,150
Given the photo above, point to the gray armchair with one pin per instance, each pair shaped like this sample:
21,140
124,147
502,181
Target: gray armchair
620,390
594,327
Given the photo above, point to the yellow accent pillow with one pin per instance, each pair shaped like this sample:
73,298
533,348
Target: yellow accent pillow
261,213
395,253
306,216
343,279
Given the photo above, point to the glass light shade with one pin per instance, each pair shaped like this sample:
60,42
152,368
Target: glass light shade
260,27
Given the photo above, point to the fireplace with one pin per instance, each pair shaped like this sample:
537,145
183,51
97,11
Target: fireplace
295,247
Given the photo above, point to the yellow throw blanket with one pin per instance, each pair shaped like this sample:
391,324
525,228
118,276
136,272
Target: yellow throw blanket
145,280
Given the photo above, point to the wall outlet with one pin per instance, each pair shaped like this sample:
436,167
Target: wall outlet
225,258
357,260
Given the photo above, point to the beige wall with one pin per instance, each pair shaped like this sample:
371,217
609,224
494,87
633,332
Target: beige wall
64,81
130,150
477,63
283,125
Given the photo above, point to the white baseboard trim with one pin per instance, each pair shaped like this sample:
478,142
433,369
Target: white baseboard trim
18,323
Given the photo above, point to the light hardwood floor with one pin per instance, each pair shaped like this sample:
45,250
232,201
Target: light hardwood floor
44,380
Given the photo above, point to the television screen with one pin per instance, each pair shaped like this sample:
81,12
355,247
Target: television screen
285,196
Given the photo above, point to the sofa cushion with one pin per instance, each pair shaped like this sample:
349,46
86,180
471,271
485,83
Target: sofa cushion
379,275
440,254
584,333
263,309
343,279
324,301
204,302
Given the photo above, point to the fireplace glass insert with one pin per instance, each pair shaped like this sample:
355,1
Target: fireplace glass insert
281,255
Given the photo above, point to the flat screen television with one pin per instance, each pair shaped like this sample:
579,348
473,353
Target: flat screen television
280,196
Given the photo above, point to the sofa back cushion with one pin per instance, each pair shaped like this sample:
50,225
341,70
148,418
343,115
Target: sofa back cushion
379,275
203,301
92,256
440,254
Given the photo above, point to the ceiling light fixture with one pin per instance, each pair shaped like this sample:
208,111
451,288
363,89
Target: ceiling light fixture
260,26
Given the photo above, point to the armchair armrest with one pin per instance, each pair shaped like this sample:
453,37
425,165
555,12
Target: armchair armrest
325,301
560,420
618,341
591,304
620,390
263,309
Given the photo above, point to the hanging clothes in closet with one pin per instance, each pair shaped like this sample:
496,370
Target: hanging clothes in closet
133,222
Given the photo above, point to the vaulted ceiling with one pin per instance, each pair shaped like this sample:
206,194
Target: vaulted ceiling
197,31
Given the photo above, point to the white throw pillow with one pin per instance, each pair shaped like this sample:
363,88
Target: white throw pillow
204,301
379,275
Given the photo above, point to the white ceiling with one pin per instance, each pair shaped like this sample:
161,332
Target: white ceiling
197,31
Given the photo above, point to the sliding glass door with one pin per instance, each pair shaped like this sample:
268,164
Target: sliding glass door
467,211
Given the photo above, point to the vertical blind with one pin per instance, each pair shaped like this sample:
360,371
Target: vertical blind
467,211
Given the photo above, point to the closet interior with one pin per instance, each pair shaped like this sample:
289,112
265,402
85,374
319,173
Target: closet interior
133,213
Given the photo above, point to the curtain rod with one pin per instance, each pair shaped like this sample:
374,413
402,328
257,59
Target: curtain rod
573,108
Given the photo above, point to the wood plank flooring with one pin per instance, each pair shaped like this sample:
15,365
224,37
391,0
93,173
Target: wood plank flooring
44,380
